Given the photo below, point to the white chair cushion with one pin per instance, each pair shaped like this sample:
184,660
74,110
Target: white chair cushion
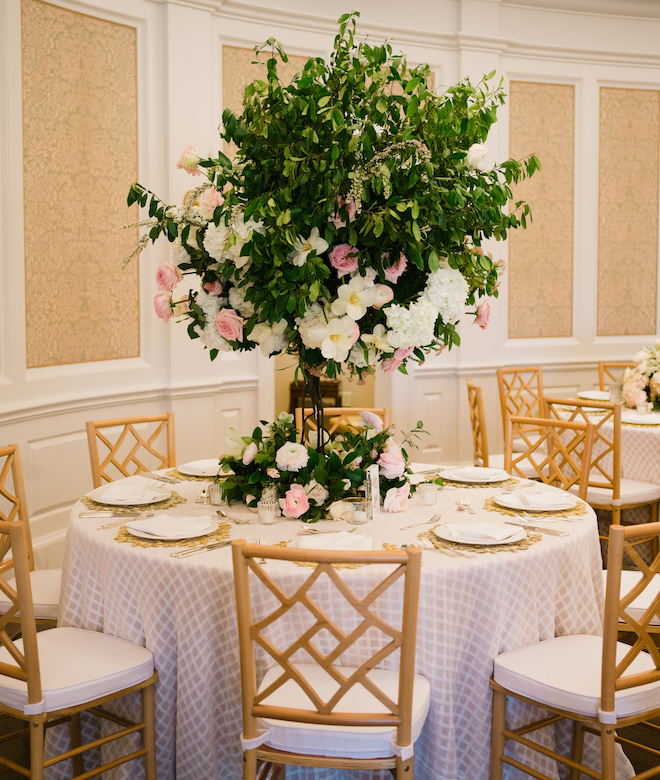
497,462
639,606
78,666
564,672
520,445
632,492
45,593
350,741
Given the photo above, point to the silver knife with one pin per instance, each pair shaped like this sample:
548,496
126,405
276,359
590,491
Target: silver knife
159,477
101,514
201,549
538,529
141,516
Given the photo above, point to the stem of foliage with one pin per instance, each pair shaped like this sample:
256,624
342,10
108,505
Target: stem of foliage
312,387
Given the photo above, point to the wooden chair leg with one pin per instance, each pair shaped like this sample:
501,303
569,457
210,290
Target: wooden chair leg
607,747
37,747
250,765
149,733
616,516
577,748
405,770
497,735
76,741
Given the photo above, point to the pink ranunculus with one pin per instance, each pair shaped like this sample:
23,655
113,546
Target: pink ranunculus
189,161
210,199
229,325
391,462
393,273
295,502
384,294
273,473
168,276
336,220
344,258
213,288
250,451
163,305
483,315
396,499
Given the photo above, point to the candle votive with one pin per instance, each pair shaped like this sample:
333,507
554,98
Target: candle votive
214,492
428,493
360,510
268,512
643,408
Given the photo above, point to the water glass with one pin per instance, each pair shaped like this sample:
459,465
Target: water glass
359,510
268,512
428,493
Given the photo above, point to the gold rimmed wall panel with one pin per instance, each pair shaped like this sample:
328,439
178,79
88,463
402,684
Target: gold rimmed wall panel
79,159
542,122
629,171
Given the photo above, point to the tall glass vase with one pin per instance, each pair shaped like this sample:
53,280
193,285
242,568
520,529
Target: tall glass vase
312,389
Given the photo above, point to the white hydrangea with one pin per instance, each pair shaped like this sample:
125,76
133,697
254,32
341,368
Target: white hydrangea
244,229
411,326
215,239
210,337
357,357
317,314
237,301
210,305
448,290
178,253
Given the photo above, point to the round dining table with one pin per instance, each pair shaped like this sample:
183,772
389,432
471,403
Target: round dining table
472,607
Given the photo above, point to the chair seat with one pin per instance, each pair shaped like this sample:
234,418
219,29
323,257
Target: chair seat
45,593
638,607
349,741
631,491
565,673
520,445
79,666
497,462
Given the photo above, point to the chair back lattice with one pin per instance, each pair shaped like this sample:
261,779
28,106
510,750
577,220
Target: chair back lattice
130,445
610,372
616,674
521,392
605,469
252,633
13,505
478,423
559,451
338,418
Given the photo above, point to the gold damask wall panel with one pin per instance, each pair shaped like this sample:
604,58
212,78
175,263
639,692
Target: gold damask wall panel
542,122
79,159
629,169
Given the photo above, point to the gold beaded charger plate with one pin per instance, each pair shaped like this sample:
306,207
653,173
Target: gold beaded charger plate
218,535
535,501
580,508
444,533
508,483
529,538
173,498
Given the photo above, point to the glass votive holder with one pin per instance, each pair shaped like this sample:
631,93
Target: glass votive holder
268,512
643,408
359,510
428,493
214,493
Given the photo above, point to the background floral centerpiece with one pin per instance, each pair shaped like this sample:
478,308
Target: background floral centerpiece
642,382
308,483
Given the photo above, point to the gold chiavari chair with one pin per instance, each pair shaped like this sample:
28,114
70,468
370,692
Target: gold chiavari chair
53,676
312,711
44,583
610,372
521,394
600,684
129,445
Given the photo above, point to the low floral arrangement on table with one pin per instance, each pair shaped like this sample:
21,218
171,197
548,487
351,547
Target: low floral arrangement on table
641,384
272,465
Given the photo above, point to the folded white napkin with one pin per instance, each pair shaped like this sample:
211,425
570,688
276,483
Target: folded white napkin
127,492
342,540
203,468
544,500
476,472
423,468
167,527
477,531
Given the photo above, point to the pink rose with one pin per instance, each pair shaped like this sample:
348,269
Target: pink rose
189,161
250,451
229,325
395,270
163,305
273,473
483,315
391,462
396,499
168,276
295,503
390,365
213,288
344,258
336,219
210,199
384,294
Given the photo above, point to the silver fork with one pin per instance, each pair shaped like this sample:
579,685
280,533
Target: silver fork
434,519
464,501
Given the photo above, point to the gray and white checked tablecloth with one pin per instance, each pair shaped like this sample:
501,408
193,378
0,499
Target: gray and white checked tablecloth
470,610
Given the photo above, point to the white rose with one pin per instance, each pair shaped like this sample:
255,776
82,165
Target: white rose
291,457
316,493
340,510
475,157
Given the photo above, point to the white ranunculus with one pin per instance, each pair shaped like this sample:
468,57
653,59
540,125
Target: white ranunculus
335,337
354,298
475,157
291,457
303,246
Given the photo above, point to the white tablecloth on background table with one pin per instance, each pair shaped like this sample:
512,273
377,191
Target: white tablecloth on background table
470,610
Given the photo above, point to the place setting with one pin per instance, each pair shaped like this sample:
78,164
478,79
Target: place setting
126,496
476,477
200,470
481,537
545,504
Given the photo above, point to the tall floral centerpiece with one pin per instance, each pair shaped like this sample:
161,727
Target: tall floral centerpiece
641,383
347,229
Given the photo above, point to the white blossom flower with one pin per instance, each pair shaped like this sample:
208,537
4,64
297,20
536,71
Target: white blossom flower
316,492
210,337
237,301
359,359
354,298
335,337
178,253
318,314
291,457
302,247
378,339
412,326
235,444
270,338
448,290
475,157
215,240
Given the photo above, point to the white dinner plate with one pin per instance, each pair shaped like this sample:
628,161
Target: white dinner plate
594,395
179,537
151,496
513,501
201,468
375,545
631,416
442,533
475,474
